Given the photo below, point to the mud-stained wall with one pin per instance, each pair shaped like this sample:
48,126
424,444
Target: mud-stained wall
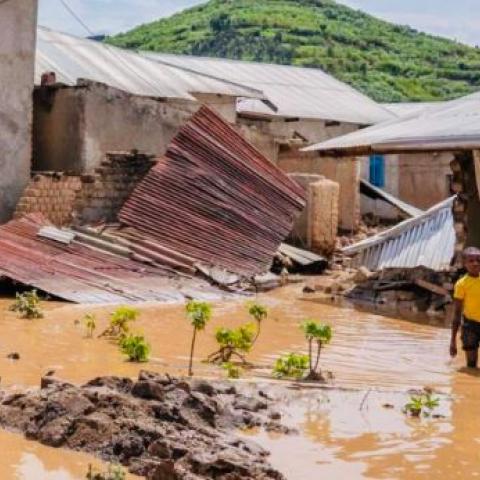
424,179
281,141
344,171
75,127
17,48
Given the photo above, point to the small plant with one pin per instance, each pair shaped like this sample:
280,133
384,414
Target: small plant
135,347
120,322
199,314
424,403
320,335
233,342
90,322
233,371
293,365
259,313
28,305
114,472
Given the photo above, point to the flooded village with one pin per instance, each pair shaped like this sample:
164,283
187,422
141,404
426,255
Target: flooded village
225,269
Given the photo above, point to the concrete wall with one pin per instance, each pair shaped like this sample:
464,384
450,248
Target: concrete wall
74,128
424,178
17,47
420,179
281,140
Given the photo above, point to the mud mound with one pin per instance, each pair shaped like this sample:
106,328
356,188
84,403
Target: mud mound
158,427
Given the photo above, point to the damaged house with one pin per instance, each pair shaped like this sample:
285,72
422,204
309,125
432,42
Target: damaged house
432,240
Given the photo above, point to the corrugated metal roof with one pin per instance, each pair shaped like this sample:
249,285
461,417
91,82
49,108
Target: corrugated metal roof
84,273
407,108
295,91
372,191
72,58
215,198
453,126
426,240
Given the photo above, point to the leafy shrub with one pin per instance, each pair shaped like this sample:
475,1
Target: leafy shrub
90,322
233,371
418,404
113,473
233,342
120,322
259,313
293,365
135,347
199,314
320,335
28,305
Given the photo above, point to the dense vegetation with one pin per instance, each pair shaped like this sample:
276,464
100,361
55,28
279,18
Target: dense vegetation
386,61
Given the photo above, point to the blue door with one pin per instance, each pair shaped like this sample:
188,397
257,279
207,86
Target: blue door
377,170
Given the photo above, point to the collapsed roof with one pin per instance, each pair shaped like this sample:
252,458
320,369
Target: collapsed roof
428,239
299,92
451,126
69,266
73,58
215,198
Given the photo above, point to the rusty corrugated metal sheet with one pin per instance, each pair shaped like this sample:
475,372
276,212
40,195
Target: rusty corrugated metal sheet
83,273
216,199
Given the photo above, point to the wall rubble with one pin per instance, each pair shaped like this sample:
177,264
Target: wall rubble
67,199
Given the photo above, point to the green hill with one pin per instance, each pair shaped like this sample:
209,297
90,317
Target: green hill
386,61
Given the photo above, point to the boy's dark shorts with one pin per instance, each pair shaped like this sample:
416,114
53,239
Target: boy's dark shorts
470,335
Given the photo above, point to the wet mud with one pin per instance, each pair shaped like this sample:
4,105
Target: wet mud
372,354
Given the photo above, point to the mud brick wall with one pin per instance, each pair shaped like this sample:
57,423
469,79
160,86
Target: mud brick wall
52,194
317,227
104,193
84,199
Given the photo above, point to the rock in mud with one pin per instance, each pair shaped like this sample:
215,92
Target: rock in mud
159,427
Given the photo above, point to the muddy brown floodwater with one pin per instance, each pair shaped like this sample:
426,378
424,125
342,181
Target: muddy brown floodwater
344,432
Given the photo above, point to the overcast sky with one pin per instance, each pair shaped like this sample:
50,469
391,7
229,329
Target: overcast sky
458,19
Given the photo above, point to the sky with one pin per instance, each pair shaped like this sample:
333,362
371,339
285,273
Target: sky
457,19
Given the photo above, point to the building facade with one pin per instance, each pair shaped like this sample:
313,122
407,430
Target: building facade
17,51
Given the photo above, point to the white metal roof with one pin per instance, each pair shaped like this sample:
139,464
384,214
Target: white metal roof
427,240
295,91
72,58
407,108
453,126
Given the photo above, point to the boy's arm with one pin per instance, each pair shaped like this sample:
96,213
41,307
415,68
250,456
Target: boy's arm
457,321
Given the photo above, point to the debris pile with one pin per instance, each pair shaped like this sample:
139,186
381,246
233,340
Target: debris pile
215,198
158,427
408,292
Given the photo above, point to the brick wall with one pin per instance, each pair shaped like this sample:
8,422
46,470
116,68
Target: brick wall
89,198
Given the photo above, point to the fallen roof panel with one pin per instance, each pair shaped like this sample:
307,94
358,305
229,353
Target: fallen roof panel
427,240
73,58
82,273
372,191
216,199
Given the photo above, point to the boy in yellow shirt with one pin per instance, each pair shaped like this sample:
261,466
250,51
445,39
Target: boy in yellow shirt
467,308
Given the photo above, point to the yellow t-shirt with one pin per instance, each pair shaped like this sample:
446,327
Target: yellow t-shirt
468,290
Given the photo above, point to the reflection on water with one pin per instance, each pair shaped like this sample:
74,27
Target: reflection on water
24,460
339,437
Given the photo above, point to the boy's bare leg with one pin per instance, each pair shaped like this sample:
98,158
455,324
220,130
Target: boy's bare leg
472,358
